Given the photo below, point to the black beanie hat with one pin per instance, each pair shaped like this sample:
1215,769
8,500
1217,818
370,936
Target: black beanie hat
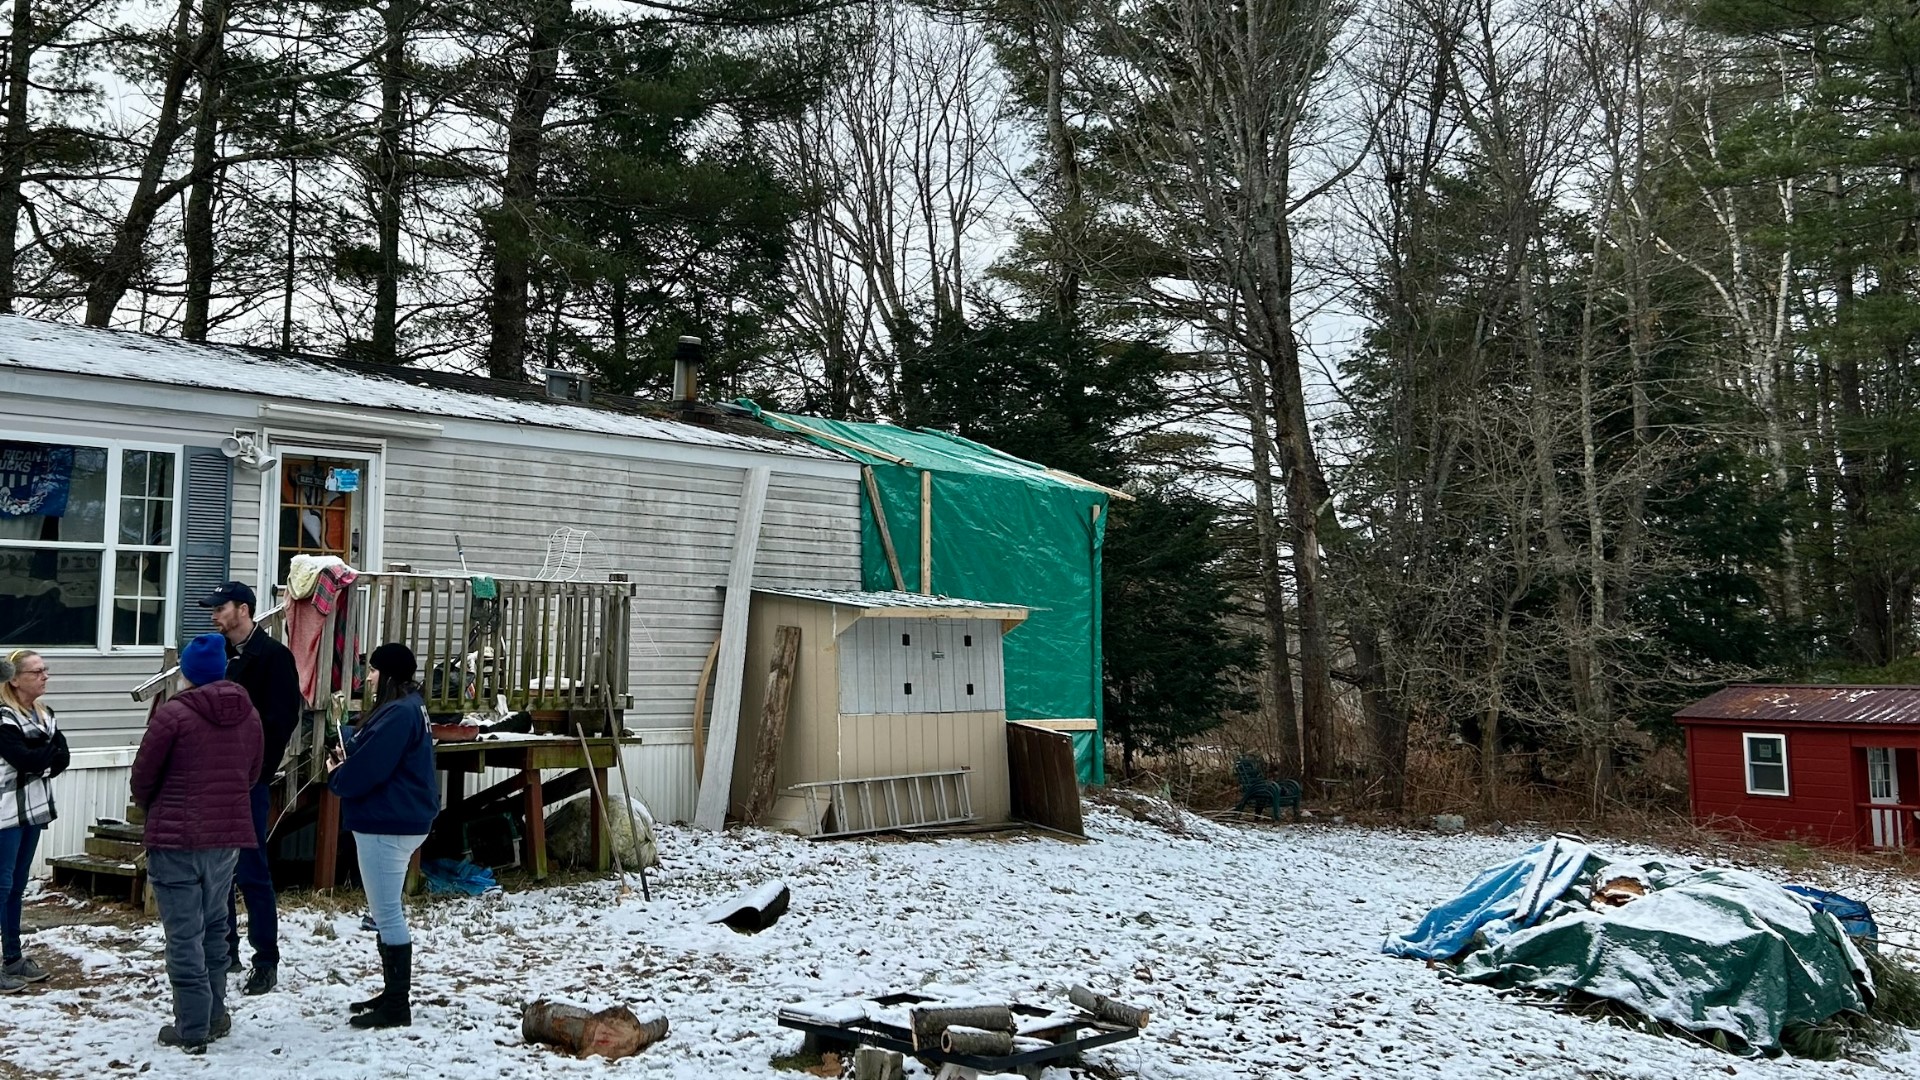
394,661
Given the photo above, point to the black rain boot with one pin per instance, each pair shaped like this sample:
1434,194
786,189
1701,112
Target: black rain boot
380,998
396,964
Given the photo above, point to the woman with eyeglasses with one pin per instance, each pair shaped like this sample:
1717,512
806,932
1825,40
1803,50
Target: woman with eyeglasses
33,750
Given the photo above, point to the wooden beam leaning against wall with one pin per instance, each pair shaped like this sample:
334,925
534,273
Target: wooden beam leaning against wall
716,780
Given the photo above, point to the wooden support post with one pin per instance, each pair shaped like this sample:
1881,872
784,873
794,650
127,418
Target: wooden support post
880,521
716,778
773,722
598,835
926,532
536,815
326,842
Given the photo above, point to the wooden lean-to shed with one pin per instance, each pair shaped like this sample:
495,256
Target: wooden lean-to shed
896,716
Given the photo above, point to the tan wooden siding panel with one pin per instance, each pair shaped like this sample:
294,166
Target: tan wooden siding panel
893,744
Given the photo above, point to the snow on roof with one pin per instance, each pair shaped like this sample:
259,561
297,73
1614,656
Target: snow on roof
39,345
903,603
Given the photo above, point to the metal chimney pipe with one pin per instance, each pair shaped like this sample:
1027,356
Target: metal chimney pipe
688,354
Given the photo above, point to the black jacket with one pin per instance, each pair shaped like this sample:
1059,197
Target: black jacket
264,669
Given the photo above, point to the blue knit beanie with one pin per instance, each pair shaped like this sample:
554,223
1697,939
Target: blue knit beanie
204,660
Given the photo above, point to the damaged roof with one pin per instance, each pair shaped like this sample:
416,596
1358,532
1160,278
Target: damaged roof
1809,704
305,379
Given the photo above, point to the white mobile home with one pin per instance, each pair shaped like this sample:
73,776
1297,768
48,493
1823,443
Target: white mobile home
121,508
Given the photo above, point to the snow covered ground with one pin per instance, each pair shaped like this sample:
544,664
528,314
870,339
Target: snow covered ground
1256,947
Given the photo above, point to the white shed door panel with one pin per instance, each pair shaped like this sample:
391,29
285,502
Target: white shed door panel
921,666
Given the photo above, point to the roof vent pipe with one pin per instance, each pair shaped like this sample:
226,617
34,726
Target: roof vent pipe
688,354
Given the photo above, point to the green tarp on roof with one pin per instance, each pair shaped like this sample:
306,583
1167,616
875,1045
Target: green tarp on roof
1003,530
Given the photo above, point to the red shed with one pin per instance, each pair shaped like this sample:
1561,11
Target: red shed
1838,764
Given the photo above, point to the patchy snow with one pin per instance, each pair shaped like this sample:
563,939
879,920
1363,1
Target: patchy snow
1256,947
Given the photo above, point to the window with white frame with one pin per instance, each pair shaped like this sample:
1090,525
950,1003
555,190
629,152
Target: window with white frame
1766,764
87,544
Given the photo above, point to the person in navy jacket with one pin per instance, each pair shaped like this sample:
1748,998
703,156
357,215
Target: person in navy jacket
383,774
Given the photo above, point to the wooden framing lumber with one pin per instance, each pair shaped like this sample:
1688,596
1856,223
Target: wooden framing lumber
880,520
716,778
926,532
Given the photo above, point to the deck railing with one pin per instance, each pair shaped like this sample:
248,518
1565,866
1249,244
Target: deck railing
539,646
1889,826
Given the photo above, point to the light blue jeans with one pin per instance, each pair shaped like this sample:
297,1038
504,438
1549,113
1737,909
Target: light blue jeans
383,873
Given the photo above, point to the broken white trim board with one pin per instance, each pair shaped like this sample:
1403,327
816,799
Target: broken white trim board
730,673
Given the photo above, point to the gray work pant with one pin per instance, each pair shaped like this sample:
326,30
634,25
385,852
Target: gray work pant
191,889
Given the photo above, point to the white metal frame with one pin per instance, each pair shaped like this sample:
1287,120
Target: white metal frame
1746,762
109,545
282,444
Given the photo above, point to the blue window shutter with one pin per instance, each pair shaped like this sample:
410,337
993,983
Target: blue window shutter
207,539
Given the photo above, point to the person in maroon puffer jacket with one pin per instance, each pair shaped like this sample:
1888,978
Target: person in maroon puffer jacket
194,777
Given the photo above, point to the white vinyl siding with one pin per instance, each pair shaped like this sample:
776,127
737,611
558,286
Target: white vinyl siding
669,526
666,521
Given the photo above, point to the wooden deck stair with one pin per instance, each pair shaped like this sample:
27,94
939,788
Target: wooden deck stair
114,863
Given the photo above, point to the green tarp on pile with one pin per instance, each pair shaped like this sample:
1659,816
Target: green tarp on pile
1713,952
1004,530
1718,950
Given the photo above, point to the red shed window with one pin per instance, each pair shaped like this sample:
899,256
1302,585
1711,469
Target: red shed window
1766,764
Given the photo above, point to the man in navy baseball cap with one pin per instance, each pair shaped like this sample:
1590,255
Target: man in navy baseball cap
265,669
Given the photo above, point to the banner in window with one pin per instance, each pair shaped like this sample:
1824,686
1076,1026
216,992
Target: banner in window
35,479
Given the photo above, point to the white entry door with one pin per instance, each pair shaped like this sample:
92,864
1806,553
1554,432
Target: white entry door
1883,786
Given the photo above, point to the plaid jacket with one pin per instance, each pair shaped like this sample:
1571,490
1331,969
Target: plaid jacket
32,753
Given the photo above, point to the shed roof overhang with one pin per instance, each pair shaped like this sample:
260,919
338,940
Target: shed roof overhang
905,605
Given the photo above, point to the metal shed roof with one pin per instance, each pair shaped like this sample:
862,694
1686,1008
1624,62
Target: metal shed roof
63,348
906,605
1809,704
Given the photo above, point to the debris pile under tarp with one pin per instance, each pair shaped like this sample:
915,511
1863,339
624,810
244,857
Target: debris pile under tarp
1724,954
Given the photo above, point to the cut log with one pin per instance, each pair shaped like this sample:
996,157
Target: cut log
873,1063
930,1021
975,1041
1107,1009
611,1033
773,723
